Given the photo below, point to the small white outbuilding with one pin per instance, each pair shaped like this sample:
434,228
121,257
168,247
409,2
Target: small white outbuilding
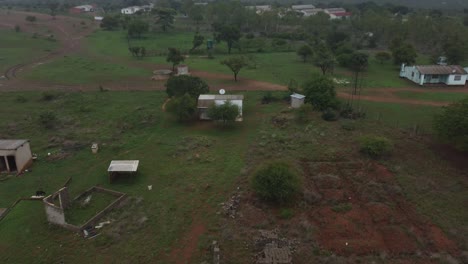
125,167
297,100
15,155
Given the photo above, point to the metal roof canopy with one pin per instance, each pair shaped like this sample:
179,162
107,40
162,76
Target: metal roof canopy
440,69
12,144
123,166
297,96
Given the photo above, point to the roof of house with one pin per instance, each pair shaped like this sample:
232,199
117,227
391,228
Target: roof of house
84,7
12,144
341,14
440,69
299,7
297,96
335,10
207,100
123,166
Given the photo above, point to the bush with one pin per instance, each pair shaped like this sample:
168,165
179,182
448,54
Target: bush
47,119
268,97
21,99
320,93
286,213
451,125
348,126
329,115
49,96
375,146
276,182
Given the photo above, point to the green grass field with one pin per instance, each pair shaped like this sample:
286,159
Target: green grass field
83,70
432,96
21,47
192,168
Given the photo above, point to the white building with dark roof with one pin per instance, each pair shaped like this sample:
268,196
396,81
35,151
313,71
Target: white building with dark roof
15,155
434,74
205,101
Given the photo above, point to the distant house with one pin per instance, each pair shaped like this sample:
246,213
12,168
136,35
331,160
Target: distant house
15,155
82,9
311,12
133,9
260,9
302,7
205,101
337,13
435,74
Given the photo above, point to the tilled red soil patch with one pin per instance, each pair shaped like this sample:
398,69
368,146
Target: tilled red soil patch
363,212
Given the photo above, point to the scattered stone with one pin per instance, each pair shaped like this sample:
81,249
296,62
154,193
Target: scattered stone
230,207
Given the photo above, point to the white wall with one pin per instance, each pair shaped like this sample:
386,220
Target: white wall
409,71
23,156
54,215
451,80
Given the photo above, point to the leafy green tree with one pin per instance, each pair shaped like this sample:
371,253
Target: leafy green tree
451,125
164,17
235,64
382,56
404,54
230,34
31,19
53,7
138,52
226,112
304,51
137,27
179,85
320,93
183,107
110,22
375,146
324,59
276,182
174,56
455,50
197,41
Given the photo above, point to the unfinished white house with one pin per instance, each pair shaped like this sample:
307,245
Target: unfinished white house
15,155
205,101
297,100
434,74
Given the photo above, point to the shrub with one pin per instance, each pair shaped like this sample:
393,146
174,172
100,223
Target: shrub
49,96
451,125
320,93
286,213
268,97
329,115
275,182
21,99
342,208
225,113
249,36
375,146
348,126
47,119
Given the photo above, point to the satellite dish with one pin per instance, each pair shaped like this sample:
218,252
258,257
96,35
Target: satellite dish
222,91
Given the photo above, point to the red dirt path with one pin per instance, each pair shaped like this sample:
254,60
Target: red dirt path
185,249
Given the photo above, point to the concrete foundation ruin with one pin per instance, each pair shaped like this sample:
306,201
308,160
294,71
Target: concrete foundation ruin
56,204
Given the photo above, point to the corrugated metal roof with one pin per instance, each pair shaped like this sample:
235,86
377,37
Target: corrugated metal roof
12,144
440,69
221,97
123,166
297,96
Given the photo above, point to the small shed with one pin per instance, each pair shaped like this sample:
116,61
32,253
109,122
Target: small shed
182,70
205,101
122,167
15,155
297,100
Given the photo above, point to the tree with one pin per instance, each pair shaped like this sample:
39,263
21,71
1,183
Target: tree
320,93
53,6
358,63
454,49
197,41
138,52
230,34
451,125
235,64
137,27
184,84
404,54
110,22
226,112
276,182
175,57
17,28
382,56
183,107
31,19
324,59
304,51
164,17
